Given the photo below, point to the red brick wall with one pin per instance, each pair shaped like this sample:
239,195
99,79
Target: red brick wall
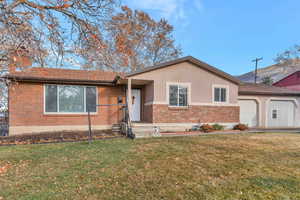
196,114
26,107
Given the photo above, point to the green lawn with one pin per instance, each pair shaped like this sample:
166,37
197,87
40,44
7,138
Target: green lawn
261,166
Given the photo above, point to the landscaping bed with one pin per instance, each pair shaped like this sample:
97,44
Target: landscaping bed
55,137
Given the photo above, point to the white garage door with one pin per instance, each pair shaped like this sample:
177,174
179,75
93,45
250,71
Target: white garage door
281,114
248,112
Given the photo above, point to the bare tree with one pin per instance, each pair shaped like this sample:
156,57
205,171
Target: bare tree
52,32
135,41
289,56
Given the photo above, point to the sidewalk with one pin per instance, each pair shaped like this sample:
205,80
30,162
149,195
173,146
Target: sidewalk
230,132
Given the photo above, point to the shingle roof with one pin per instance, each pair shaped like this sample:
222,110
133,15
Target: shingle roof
192,60
286,77
57,74
262,89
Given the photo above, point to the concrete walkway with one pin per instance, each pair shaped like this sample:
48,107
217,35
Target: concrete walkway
292,130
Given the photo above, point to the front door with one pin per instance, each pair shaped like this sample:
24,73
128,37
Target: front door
136,105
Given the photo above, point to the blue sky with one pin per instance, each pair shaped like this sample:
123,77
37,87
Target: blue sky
229,33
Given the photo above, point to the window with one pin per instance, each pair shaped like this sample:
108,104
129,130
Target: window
274,114
220,94
70,99
178,95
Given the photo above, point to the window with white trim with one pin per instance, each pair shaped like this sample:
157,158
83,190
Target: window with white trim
220,94
178,95
70,99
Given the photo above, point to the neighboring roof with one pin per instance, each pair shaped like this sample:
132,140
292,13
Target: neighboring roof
276,72
192,60
286,77
262,89
38,74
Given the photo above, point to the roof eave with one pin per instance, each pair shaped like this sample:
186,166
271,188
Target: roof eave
268,93
193,61
60,81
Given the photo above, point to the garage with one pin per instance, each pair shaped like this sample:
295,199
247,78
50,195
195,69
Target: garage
281,113
249,112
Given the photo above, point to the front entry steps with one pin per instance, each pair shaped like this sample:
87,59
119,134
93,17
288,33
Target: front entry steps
116,128
145,130
142,130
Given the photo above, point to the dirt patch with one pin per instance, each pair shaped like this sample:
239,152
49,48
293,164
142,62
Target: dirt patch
53,137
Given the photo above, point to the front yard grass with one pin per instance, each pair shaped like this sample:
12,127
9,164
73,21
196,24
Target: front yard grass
249,166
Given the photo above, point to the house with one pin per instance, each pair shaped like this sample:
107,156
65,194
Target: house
175,95
291,81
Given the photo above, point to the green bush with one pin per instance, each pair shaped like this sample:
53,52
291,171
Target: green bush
218,127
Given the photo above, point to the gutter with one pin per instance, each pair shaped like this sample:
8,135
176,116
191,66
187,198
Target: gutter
270,93
60,81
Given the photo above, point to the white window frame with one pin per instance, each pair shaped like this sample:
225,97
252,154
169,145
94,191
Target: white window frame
187,85
70,113
226,87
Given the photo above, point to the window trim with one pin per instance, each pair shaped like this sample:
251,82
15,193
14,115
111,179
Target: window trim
183,84
70,113
226,87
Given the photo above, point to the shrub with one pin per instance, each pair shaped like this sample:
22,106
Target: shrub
218,127
206,128
241,127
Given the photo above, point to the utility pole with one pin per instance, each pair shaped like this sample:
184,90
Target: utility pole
256,60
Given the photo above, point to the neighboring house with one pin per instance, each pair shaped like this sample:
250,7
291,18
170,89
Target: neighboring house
176,95
291,81
276,72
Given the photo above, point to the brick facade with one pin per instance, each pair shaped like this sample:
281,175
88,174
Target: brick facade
26,107
195,114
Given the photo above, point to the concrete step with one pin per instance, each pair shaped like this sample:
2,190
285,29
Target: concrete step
145,131
116,128
163,127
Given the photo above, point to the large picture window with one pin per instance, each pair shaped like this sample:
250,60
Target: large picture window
220,94
178,95
70,99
